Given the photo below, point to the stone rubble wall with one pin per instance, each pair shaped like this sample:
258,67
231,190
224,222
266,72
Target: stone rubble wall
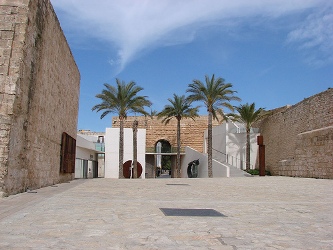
39,95
299,139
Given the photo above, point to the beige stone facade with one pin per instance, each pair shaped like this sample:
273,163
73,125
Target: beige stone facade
192,135
299,138
39,92
192,131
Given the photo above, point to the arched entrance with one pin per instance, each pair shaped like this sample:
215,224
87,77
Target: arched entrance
163,162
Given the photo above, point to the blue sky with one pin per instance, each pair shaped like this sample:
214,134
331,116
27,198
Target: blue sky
275,52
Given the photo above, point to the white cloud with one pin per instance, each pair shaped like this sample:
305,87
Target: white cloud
133,26
315,37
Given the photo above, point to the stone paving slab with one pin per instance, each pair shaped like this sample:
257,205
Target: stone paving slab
259,213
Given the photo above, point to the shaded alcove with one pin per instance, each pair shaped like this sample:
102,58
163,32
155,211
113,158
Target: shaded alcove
163,162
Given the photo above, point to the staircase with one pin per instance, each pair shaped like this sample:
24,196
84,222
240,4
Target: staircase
236,172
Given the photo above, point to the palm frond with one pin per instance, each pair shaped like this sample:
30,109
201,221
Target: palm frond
247,114
215,94
179,107
121,99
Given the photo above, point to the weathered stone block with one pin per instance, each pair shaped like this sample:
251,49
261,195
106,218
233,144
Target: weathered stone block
6,26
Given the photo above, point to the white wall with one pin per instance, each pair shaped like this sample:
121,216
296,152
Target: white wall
219,141
85,154
112,150
227,141
85,150
78,168
236,147
219,169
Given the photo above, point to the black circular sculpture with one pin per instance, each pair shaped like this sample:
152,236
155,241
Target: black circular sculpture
192,169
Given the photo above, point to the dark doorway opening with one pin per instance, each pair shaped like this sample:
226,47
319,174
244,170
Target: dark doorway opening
163,162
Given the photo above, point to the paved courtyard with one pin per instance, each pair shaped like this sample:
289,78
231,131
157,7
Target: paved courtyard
223,213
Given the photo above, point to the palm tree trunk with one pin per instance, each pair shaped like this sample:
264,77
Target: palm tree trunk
210,145
135,149
178,148
247,148
173,170
121,147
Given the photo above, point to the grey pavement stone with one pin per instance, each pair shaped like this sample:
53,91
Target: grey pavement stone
260,213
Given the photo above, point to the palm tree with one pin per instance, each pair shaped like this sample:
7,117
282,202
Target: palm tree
135,149
121,99
152,113
215,94
248,115
179,108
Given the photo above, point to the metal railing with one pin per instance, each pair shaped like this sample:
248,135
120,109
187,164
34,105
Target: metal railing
100,146
231,160
172,151
241,130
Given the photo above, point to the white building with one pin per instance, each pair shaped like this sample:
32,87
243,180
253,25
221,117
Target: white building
229,153
89,162
112,150
229,144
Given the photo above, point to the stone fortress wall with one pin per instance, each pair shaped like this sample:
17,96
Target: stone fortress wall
192,131
299,139
39,93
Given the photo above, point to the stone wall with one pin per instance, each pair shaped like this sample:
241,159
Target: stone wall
299,138
192,131
39,94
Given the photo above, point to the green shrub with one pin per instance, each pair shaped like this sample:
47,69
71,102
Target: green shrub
256,172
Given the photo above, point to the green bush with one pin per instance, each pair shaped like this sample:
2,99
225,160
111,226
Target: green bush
256,172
